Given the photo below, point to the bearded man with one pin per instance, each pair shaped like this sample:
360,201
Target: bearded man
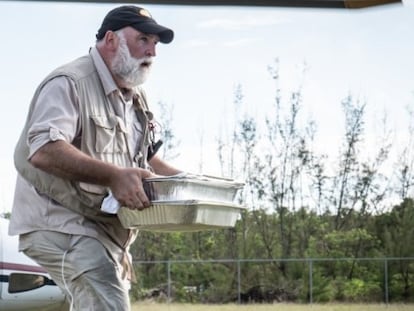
87,137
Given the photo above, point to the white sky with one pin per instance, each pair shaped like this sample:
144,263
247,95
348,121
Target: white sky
369,53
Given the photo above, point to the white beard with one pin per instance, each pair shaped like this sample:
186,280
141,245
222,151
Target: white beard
127,68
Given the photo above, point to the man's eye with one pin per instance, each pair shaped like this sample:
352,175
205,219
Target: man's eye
148,39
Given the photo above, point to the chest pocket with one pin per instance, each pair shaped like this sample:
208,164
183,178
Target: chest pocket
110,134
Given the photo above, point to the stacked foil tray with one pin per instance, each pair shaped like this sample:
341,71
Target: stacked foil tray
186,203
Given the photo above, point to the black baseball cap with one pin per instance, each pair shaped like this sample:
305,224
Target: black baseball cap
136,17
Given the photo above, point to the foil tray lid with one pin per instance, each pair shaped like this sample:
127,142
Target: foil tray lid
200,179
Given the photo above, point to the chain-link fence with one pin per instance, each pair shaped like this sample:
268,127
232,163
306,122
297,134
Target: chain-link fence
268,280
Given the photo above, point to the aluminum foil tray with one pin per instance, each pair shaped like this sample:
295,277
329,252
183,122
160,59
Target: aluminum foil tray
191,215
191,187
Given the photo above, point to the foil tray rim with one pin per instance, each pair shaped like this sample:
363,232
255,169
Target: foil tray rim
197,179
196,203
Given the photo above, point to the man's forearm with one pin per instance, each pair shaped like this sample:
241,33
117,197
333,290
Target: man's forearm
163,168
64,160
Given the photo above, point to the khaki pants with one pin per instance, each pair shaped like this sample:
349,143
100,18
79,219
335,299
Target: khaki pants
81,267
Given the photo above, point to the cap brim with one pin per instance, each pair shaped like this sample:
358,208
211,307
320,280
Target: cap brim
166,35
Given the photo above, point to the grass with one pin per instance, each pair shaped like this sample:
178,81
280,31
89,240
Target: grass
149,306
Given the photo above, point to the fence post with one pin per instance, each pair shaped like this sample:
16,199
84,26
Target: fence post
238,282
310,281
169,281
386,281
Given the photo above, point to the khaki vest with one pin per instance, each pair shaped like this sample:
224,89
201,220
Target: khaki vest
103,137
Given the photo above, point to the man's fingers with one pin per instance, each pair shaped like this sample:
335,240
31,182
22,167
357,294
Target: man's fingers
138,201
142,198
131,193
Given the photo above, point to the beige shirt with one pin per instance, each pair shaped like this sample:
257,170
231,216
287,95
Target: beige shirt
56,117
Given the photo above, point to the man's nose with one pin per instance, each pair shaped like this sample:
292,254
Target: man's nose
151,51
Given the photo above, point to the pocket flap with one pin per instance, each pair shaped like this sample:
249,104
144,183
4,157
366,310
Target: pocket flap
104,122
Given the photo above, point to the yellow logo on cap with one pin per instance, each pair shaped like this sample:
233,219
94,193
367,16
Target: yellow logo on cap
145,13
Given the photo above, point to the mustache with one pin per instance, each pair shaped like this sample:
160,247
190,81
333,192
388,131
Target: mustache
145,62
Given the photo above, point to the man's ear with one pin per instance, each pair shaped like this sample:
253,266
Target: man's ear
111,40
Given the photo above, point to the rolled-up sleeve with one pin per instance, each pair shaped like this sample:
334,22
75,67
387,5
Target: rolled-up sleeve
55,115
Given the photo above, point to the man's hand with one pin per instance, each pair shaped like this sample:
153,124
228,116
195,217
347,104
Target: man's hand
127,187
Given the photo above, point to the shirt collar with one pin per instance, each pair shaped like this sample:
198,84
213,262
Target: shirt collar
108,82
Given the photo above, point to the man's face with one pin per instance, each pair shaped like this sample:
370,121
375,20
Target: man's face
133,68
